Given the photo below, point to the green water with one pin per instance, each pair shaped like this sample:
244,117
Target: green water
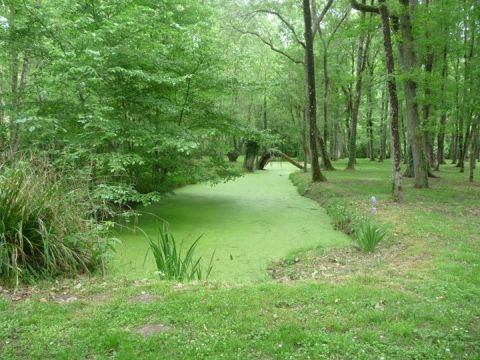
249,222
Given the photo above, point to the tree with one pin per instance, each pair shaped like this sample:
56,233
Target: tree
392,90
311,92
360,65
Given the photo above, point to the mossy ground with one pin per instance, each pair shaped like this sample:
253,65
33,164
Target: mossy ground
418,300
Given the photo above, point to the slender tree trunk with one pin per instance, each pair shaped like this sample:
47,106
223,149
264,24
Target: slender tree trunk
454,146
409,61
383,127
465,110
405,152
428,146
325,96
265,112
468,137
409,171
371,146
312,96
362,53
392,90
443,117
474,148
304,138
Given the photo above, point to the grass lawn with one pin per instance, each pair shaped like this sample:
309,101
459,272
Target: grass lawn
417,297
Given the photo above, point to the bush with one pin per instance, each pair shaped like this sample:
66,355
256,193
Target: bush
45,223
171,264
368,235
342,217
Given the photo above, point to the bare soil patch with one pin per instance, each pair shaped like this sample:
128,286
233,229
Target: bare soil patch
152,329
144,298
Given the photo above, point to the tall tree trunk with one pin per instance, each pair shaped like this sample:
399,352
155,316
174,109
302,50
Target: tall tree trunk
474,148
14,63
443,116
409,171
312,96
325,96
409,61
371,146
392,91
428,146
251,151
454,146
383,127
465,116
362,53
325,157
405,152
304,138
265,112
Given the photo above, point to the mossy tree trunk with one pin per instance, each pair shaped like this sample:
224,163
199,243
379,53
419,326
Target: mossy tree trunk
251,151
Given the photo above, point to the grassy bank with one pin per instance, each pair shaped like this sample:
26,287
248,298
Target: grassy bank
416,297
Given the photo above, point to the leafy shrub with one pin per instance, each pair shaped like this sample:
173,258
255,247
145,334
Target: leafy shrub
45,223
342,217
170,262
368,235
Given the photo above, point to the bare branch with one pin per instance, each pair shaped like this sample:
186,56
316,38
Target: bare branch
338,26
269,43
283,20
320,17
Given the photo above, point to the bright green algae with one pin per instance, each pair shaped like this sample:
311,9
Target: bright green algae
248,222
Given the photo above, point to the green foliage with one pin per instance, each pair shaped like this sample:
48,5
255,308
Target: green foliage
170,261
46,226
342,216
263,138
365,232
368,235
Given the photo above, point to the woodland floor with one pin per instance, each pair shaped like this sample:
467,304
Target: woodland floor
417,297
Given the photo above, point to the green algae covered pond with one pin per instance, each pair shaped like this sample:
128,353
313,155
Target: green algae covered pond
248,222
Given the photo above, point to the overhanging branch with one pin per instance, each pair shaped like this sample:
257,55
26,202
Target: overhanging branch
269,44
284,21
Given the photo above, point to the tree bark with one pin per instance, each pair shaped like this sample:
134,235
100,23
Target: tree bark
443,117
317,175
325,96
371,146
383,130
304,141
392,91
269,154
409,62
474,148
465,115
362,53
251,151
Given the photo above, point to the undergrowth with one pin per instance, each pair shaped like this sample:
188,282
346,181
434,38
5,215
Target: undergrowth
46,226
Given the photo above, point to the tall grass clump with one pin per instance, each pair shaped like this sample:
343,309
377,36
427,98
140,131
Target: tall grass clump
368,235
45,223
172,263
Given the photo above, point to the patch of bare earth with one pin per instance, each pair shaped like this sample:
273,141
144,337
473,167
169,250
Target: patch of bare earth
144,298
339,264
152,329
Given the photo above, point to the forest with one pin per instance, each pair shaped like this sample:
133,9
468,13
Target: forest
255,179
